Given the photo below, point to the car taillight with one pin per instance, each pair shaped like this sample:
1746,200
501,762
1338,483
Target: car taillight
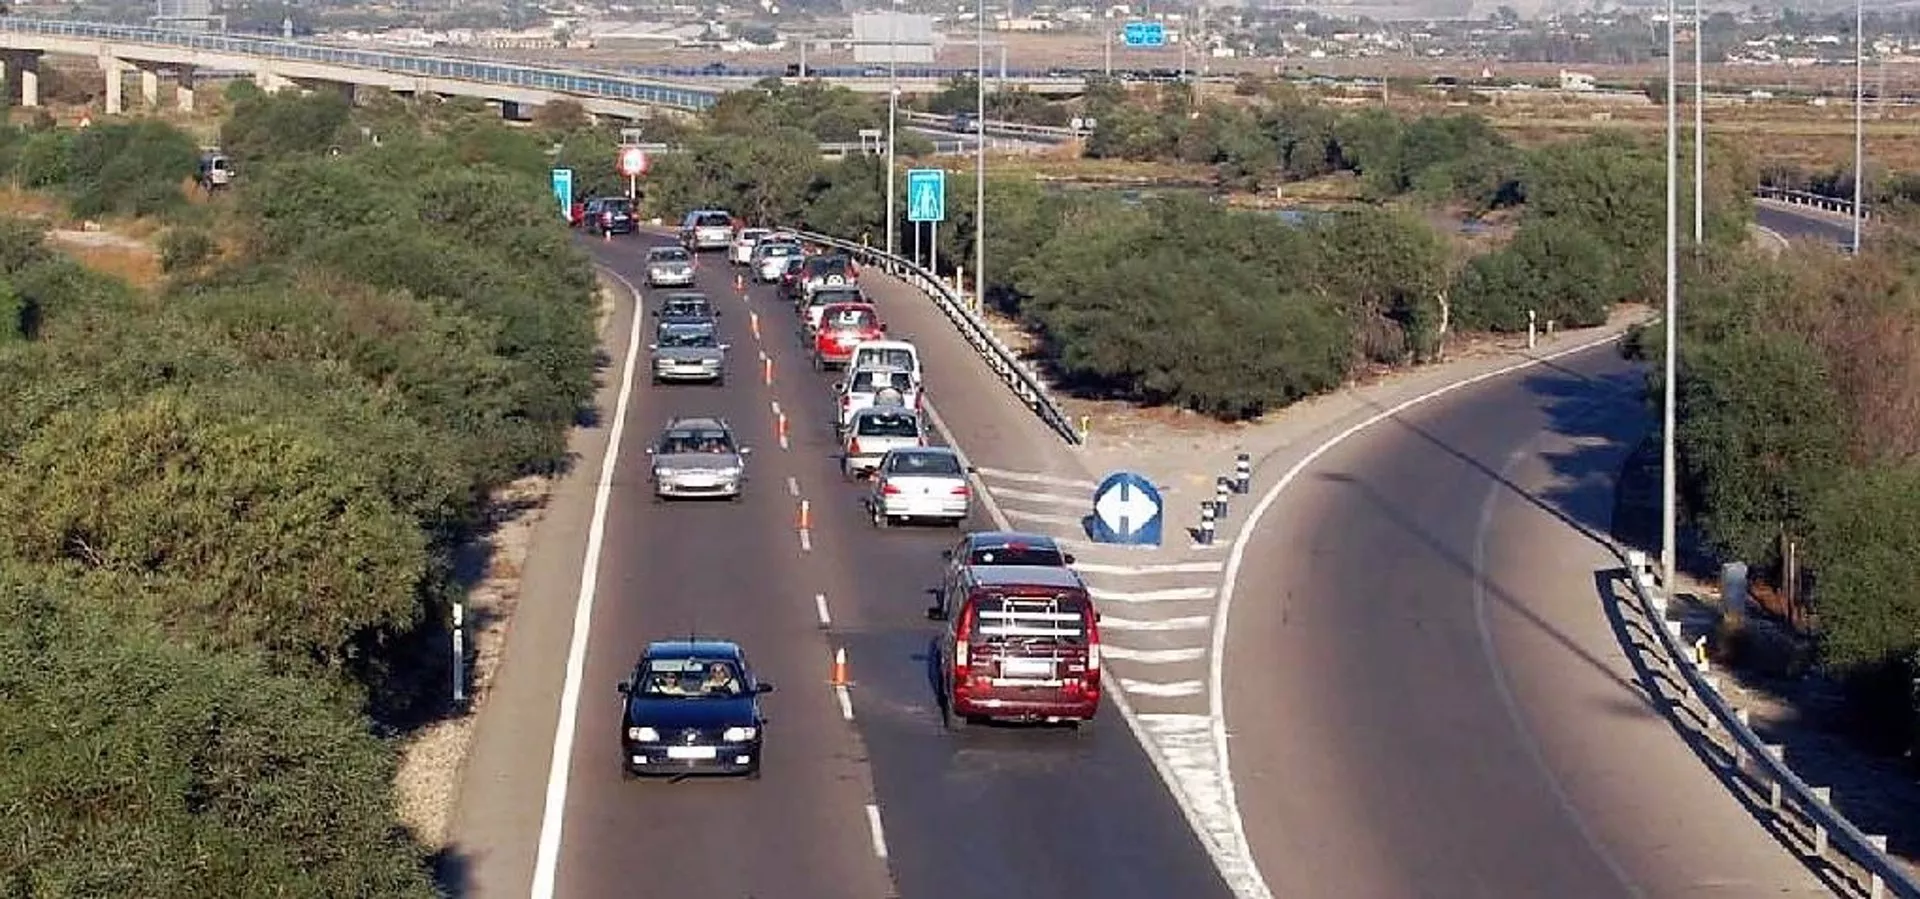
962,490
853,448
846,402
960,654
889,490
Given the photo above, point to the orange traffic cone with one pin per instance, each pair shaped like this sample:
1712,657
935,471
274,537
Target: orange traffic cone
839,673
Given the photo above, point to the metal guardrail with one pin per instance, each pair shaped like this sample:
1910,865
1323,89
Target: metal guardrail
1805,811
606,87
1050,133
1019,376
1811,200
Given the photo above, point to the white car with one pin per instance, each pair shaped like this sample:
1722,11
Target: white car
890,354
771,259
926,482
869,386
741,250
707,229
876,431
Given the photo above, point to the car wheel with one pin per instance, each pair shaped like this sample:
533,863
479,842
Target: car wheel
720,381
950,719
626,773
875,516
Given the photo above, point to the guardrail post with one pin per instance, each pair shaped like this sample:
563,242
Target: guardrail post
1876,885
1823,795
1086,428
1532,331
1243,473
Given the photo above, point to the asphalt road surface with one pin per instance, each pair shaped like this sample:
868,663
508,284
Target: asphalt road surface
1014,812
1800,223
1425,687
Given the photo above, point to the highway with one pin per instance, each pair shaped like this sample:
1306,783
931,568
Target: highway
1801,223
1425,687
1011,812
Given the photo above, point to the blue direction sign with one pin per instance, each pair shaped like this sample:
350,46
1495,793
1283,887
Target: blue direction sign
1145,34
563,191
1126,509
926,195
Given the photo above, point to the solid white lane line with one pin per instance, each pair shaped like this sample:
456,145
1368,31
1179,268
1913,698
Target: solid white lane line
806,541
546,865
1170,690
820,609
1152,656
1182,623
793,486
1050,498
879,833
1167,595
1024,477
845,698
1166,568
1216,672
1063,520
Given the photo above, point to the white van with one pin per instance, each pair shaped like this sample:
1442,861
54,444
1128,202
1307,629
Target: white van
888,354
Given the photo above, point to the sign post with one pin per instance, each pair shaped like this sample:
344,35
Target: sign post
927,202
563,191
633,163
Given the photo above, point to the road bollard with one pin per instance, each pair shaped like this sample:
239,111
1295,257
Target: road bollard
1204,536
1221,487
1243,474
806,516
837,676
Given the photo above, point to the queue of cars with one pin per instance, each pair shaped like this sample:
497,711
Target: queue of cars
1019,638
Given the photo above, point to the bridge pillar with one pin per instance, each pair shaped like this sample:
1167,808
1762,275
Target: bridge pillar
150,88
116,72
23,69
270,81
183,87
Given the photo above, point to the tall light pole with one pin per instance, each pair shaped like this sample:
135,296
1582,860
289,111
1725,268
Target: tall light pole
980,162
1859,118
1699,135
1668,506
893,106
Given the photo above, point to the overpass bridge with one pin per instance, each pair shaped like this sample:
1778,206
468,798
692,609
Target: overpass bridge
275,64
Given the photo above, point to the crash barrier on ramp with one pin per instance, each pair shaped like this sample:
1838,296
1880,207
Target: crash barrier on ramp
1019,375
1858,862
1811,200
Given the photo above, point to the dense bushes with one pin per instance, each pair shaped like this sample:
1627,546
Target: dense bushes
238,496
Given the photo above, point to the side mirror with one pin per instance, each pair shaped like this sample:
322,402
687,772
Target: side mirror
649,451
839,387
763,687
935,613
624,688
653,346
946,554
1069,557
725,347
654,313
972,470
746,451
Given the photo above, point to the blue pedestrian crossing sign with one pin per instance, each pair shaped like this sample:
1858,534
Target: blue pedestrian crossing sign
926,195
1145,34
1126,509
563,191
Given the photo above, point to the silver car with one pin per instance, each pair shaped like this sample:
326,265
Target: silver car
875,431
924,482
688,350
669,267
771,257
698,458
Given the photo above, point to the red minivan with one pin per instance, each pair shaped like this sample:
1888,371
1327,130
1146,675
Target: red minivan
844,326
1022,643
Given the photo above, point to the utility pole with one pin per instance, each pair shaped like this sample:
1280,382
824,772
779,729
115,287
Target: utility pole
980,162
1699,135
1668,479
1859,118
893,106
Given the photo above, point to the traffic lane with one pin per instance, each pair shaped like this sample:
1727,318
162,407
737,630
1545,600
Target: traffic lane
998,430
1418,696
1799,224
726,570
1013,811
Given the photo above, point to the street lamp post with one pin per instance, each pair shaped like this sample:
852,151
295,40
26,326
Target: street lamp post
1699,135
1668,478
1859,119
893,106
980,161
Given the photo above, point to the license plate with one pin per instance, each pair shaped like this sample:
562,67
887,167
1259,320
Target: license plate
691,752
1027,667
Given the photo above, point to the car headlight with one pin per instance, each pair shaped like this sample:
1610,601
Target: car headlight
643,735
739,734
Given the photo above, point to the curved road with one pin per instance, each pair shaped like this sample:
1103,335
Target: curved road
1425,688
1801,223
1002,812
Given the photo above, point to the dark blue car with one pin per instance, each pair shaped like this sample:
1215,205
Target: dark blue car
692,707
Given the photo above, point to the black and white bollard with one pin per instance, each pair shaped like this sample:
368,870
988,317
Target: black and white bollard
1243,474
1221,488
459,653
1205,535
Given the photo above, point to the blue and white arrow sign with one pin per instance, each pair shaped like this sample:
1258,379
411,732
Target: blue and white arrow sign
1126,509
563,191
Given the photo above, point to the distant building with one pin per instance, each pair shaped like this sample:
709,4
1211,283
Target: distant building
1575,81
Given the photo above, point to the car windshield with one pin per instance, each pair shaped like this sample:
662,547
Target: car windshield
827,265
751,235
1025,554
685,308
678,335
667,254
832,295
851,318
690,678
713,220
892,357
887,424
616,206
868,380
778,249
691,440
924,463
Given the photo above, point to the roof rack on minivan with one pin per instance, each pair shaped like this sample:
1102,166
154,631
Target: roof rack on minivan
1020,617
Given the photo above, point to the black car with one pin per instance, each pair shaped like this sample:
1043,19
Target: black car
609,215
692,707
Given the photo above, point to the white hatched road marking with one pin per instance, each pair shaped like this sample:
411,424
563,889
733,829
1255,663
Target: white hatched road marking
1066,520
1024,477
1152,656
1056,499
1168,595
1169,690
1182,623
1187,741
1167,568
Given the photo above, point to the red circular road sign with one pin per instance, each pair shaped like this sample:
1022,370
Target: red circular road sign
634,161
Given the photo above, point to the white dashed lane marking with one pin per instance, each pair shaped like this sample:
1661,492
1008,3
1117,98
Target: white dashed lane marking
820,609
1026,478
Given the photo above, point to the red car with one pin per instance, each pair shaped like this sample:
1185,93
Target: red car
844,326
1021,643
